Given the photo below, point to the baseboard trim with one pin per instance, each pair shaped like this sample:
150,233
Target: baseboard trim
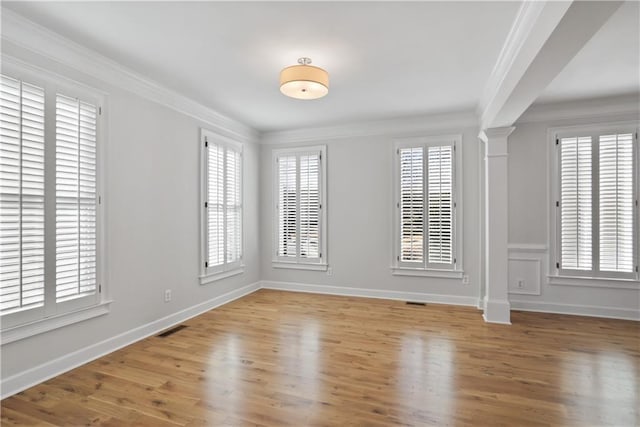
371,293
578,310
45,371
41,373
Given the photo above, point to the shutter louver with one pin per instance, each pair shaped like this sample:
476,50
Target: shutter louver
76,245
287,206
309,205
215,203
233,204
440,204
616,203
223,206
21,195
411,204
576,203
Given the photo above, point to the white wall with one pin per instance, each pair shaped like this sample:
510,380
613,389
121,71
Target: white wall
529,212
360,206
152,205
359,161
152,223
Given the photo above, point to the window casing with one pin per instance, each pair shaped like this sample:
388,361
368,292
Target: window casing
221,204
299,179
427,188
595,202
51,207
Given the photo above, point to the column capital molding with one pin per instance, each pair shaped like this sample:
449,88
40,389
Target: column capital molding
490,134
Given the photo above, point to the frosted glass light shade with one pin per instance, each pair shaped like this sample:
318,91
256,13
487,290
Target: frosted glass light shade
304,82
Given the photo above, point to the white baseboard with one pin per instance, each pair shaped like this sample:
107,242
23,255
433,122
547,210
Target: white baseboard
371,293
38,374
580,310
41,373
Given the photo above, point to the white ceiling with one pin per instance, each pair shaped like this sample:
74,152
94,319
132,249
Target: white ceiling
385,59
608,65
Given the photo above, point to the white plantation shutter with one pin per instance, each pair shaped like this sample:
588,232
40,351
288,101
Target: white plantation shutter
76,198
287,206
440,204
309,205
597,219
412,204
234,206
576,203
616,203
21,195
298,183
223,205
426,205
215,205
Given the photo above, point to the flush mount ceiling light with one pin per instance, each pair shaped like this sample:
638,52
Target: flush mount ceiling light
304,81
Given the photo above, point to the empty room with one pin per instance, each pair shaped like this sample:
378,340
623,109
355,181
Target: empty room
319,213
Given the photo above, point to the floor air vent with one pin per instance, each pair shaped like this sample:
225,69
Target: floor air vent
416,303
172,331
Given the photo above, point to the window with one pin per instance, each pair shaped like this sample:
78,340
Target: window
426,207
49,203
300,232
222,207
596,202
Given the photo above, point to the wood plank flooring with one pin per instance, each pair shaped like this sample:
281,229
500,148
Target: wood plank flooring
278,358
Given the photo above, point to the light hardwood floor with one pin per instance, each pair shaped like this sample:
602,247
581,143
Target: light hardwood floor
277,358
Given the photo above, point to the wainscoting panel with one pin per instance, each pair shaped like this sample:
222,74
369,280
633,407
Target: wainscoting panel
526,268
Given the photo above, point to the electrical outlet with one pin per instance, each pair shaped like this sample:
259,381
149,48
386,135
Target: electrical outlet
465,279
520,283
329,271
167,295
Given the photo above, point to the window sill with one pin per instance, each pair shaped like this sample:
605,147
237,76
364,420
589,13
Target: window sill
594,282
47,324
421,272
299,266
214,277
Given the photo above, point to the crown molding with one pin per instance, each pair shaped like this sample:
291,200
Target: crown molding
518,33
543,38
397,127
532,26
595,108
25,34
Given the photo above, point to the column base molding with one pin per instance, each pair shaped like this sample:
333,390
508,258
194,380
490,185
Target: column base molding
497,311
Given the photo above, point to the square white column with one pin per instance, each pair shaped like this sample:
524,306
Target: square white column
496,301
